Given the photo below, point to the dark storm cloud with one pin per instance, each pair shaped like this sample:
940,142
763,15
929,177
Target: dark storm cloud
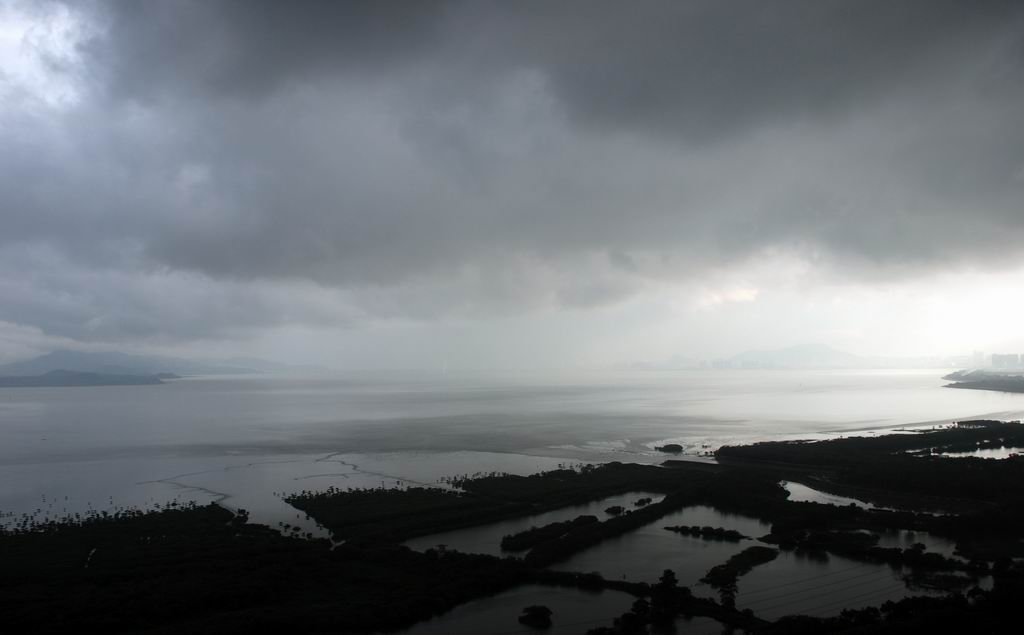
701,68
708,69
246,49
424,158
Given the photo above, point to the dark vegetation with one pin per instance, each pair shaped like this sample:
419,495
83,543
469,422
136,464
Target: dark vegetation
886,466
660,604
862,546
536,616
996,611
988,494
536,535
671,448
396,515
708,533
205,569
588,535
724,576
392,515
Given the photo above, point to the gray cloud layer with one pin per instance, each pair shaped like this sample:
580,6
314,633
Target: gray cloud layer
373,159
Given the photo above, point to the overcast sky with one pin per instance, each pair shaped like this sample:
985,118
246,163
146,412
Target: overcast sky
386,184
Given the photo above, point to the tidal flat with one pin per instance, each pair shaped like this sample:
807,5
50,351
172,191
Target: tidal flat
822,566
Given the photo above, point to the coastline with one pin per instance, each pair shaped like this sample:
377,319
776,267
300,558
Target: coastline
368,525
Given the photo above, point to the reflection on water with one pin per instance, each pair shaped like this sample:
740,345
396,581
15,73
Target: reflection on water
487,538
984,453
575,612
799,493
904,539
642,556
699,626
797,584
793,583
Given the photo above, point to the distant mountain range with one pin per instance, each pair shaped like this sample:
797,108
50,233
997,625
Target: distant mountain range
805,356
64,378
115,363
799,356
676,362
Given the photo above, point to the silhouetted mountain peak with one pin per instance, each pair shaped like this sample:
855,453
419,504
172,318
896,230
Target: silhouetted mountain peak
117,363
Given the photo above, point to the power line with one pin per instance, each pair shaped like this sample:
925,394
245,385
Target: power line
819,586
883,592
840,590
846,601
810,579
690,622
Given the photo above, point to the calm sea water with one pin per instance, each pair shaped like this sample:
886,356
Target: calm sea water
244,440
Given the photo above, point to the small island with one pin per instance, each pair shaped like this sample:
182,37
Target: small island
708,533
670,448
537,616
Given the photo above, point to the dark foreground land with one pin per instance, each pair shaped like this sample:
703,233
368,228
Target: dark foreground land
206,570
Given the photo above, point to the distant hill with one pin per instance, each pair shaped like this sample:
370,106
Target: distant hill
800,356
114,363
61,378
676,362
267,366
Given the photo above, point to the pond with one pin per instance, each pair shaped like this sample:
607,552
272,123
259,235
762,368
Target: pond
797,584
642,555
487,538
792,583
574,612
